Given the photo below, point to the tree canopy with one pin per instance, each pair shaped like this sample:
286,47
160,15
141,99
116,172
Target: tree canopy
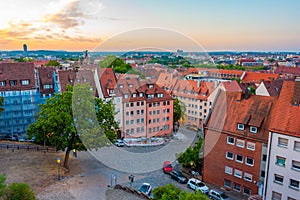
15,191
117,63
191,157
54,63
69,120
1,104
179,110
170,192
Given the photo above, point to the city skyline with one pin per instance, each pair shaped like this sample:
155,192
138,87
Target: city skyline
216,25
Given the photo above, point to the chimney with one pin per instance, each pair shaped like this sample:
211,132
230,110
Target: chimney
239,96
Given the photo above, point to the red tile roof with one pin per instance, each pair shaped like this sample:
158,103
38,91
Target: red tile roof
288,70
46,78
232,86
258,77
286,116
17,72
108,80
255,111
66,77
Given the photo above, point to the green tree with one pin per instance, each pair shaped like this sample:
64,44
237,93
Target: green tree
105,113
119,65
2,184
54,63
1,104
18,191
178,109
71,118
170,192
191,157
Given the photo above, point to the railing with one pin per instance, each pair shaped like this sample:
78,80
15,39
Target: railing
27,147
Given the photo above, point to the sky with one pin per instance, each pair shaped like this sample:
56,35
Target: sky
209,25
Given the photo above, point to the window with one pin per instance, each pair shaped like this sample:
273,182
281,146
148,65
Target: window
228,170
278,179
142,103
240,127
127,105
295,165
253,129
133,95
126,96
248,177
294,184
251,146
138,112
2,83
264,157
141,94
239,158
137,121
282,142
142,112
249,161
127,122
246,191
230,140
280,161
240,143
237,187
238,173
13,83
227,183
229,155
131,121
263,174
297,146
276,195
142,120
47,86
131,104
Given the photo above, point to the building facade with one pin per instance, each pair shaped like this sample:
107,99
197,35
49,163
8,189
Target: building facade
283,163
236,136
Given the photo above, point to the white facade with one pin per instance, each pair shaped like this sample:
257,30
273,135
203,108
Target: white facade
262,90
283,168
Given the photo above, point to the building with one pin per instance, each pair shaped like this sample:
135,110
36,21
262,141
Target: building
147,108
236,136
20,89
25,50
283,163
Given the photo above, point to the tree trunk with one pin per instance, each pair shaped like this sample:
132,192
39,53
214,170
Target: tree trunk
66,160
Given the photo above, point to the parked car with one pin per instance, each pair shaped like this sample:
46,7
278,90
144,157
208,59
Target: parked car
119,143
218,195
167,167
196,184
26,139
145,188
178,176
11,137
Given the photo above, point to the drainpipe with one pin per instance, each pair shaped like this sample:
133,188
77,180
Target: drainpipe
267,166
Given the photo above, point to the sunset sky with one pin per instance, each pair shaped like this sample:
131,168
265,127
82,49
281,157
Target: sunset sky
76,25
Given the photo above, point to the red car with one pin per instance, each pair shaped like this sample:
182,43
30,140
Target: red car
167,167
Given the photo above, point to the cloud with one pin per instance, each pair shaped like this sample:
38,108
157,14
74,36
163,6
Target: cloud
70,16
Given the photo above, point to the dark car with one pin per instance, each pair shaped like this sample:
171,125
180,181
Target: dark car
11,137
179,177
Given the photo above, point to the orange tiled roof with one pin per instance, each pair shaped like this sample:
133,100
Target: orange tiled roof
107,80
286,116
254,111
232,86
258,77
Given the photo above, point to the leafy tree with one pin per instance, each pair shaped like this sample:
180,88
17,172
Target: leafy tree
70,121
119,65
170,192
1,104
18,191
2,184
105,113
54,63
178,109
15,191
191,156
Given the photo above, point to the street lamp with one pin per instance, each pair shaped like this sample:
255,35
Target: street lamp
58,168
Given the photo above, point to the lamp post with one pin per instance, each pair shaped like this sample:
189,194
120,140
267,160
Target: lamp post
58,168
